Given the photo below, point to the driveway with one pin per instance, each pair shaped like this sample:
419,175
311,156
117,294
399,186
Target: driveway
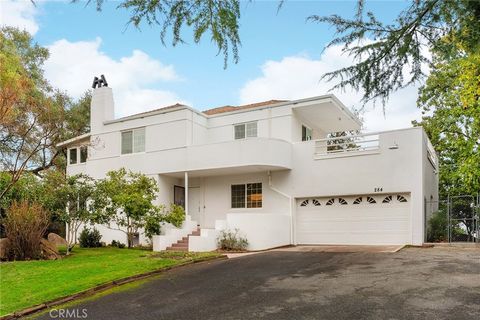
433,283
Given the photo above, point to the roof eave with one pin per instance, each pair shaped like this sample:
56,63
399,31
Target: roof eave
72,140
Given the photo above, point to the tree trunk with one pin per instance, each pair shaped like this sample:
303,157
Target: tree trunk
129,234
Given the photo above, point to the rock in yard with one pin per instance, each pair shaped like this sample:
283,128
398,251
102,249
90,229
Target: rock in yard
56,239
49,250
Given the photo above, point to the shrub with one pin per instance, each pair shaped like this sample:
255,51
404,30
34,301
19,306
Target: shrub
232,241
437,227
117,244
90,238
176,215
25,224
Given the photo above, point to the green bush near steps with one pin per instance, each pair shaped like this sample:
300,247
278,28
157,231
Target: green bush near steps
229,240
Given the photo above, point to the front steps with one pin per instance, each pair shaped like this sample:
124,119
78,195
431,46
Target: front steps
182,245
172,234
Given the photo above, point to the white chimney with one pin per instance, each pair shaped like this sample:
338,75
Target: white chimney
101,108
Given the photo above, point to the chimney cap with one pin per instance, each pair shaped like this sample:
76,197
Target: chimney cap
99,82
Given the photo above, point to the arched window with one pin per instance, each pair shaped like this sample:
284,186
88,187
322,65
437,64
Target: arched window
304,203
401,198
330,202
387,199
315,202
342,201
371,200
358,200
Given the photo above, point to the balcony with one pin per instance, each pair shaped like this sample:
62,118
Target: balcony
348,145
266,152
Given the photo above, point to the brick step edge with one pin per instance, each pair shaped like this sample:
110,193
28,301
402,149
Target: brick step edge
176,249
180,244
102,287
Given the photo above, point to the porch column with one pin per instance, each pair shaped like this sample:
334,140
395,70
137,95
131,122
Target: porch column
186,192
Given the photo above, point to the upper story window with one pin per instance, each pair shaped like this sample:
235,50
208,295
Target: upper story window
77,155
72,156
133,141
306,133
245,130
83,154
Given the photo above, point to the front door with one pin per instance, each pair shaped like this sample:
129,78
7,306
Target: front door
194,205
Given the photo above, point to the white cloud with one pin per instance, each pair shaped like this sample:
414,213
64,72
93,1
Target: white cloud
72,66
19,14
297,77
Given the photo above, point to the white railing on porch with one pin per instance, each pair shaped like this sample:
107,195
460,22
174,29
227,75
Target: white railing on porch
347,144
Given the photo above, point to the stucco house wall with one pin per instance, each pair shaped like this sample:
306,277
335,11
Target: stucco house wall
181,141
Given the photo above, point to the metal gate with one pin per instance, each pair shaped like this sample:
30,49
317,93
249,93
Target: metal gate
456,219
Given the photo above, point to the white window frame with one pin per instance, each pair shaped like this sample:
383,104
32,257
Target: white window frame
134,132
77,160
245,185
307,128
246,130
79,156
78,153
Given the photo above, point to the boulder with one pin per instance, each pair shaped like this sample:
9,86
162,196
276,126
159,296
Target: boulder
49,250
3,248
56,239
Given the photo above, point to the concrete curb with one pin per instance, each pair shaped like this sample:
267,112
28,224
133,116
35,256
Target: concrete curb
102,287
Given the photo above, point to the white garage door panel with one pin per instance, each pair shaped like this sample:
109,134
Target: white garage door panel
378,223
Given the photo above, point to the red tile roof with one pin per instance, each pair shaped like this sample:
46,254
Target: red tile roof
210,111
246,106
176,105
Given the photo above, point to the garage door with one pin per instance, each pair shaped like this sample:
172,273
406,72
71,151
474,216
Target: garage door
363,219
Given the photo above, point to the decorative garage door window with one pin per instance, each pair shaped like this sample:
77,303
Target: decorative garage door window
358,200
355,200
387,199
371,200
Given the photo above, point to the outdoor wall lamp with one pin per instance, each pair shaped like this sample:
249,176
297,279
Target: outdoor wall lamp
394,146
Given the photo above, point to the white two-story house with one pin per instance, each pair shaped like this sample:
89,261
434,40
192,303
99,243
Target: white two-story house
268,169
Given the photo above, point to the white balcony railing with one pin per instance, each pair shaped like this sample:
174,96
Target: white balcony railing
367,142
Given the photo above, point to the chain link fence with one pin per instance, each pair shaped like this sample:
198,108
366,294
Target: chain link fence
455,219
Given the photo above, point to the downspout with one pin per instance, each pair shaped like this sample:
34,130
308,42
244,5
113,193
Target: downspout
270,185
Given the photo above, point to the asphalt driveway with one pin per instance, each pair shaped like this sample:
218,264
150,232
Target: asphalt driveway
435,283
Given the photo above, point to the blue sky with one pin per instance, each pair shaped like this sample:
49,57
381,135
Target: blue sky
280,57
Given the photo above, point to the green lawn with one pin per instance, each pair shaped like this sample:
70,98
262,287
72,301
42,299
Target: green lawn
28,283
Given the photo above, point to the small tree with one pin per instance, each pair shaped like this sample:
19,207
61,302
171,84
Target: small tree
68,198
125,198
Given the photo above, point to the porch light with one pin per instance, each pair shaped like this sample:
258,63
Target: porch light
394,146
